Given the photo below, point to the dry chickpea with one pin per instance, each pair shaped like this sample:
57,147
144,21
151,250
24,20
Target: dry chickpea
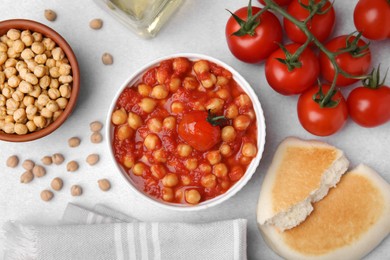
12,104
64,70
12,53
214,157
9,128
7,92
38,47
92,159
28,165
9,72
50,63
55,93
58,158
43,99
26,177
39,171
231,111
225,150
50,15
41,59
13,34
205,168
18,46
20,129
45,112
40,71
35,92
10,63
139,168
96,138
215,105
31,110
152,141
177,107
3,57
27,40
52,106
192,196
3,47
169,122
104,184
76,190
125,132
31,126
241,122
28,100
65,79
96,126
47,160
210,82
201,67
191,164
2,100
208,181
58,54
184,150
74,141
134,120
18,96
96,23
147,105
72,166
249,150
25,87
144,90
2,77
54,72
154,124
190,83
107,59
159,92
119,117
128,161
228,134
220,170
158,171
174,84
49,43
57,184
46,195
12,161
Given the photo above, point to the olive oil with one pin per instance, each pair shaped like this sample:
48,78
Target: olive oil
145,17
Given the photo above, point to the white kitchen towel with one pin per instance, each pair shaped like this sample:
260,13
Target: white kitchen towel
106,234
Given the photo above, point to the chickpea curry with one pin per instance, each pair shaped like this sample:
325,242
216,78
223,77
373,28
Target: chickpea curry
186,132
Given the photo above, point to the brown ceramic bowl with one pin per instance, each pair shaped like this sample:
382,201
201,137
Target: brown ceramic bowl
33,26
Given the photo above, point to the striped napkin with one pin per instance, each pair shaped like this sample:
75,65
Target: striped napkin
103,233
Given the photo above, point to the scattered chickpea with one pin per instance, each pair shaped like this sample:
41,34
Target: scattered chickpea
92,159
96,126
76,190
12,161
74,141
28,165
50,15
57,158
107,59
96,24
72,166
47,160
56,184
96,138
46,195
26,177
39,171
104,184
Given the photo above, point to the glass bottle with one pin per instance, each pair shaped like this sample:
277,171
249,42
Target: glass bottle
144,17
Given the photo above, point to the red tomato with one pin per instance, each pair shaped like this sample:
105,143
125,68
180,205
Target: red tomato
321,121
198,132
321,25
299,79
369,107
353,65
279,2
372,18
261,41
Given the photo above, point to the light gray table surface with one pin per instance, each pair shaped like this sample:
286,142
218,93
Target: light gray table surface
199,27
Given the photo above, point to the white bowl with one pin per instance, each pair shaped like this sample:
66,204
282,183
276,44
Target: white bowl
260,135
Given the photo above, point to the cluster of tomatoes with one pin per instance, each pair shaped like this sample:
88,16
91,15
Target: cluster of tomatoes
255,34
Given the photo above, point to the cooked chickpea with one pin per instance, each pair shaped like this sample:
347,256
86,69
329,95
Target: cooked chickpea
174,84
236,173
154,125
201,66
134,120
159,92
185,180
125,132
144,90
119,117
170,180
167,194
220,170
192,196
147,105
243,100
225,184
223,94
139,168
128,161
160,156
241,122
184,150
209,181
152,141
190,83
169,122
249,150
191,164
231,111
177,107
214,157
228,134
181,65
215,105
222,81
245,160
158,171
209,82
225,150
205,168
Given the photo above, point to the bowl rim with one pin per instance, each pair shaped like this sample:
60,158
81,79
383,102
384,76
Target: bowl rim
261,134
25,24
